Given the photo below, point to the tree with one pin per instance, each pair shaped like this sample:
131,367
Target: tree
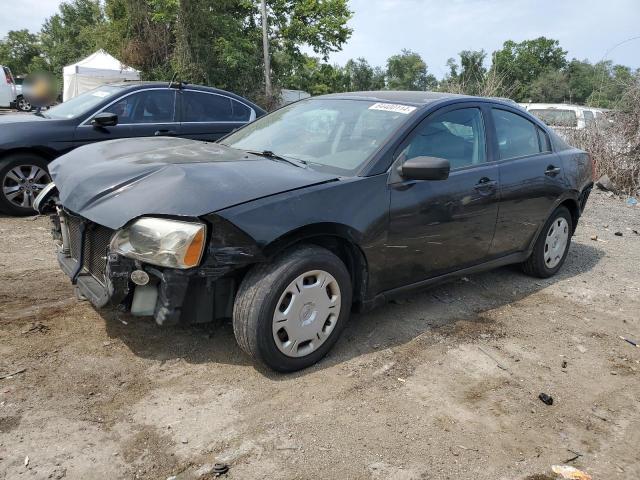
551,86
407,71
20,51
521,63
472,71
361,76
72,33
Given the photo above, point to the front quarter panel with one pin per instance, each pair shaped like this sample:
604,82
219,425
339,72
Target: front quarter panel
355,209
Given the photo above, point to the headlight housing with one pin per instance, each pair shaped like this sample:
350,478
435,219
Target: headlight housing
163,242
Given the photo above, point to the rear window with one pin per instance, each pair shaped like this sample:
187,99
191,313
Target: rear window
556,117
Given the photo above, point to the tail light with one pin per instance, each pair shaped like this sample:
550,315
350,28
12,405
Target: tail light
9,77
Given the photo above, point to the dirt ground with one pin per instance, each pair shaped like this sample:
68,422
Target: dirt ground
441,385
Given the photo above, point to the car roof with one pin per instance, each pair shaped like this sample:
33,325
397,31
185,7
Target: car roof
416,98
139,84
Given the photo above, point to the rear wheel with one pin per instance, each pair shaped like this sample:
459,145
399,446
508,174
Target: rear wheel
552,246
22,177
289,313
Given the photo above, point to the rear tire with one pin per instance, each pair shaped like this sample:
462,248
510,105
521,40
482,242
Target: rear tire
22,177
552,245
290,312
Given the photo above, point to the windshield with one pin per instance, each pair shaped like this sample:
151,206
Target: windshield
82,103
556,117
332,135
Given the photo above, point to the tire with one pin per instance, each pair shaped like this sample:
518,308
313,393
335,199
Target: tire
268,287
546,260
31,167
23,105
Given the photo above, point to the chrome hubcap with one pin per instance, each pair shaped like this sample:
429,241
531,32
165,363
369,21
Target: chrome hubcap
306,313
24,104
21,184
556,242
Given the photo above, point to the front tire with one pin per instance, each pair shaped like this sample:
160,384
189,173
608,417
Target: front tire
289,313
552,246
22,177
23,104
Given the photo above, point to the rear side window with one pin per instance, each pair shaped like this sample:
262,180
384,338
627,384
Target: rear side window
457,136
517,136
207,107
555,117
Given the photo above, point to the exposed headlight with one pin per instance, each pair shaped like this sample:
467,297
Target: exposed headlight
168,243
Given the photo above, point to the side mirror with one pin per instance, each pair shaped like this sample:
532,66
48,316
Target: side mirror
105,119
425,168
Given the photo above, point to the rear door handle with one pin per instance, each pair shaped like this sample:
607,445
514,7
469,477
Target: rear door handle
552,171
165,133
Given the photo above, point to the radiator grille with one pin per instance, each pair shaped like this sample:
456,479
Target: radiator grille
96,245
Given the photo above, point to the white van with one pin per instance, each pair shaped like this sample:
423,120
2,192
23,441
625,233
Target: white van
7,88
562,116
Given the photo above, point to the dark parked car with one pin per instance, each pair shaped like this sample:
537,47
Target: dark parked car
329,204
133,109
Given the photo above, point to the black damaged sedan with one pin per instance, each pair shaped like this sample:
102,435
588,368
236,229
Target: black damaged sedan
329,205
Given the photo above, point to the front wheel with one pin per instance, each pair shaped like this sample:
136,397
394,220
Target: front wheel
552,246
22,177
290,312
23,105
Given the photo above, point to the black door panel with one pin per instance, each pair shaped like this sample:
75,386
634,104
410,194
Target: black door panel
436,227
527,193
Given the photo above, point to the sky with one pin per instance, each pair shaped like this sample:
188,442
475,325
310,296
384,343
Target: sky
439,29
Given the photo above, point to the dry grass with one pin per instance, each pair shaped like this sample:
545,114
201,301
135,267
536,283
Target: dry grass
614,143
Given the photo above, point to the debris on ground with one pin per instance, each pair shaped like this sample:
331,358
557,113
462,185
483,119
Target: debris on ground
547,399
632,201
220,469
35,327
605,183
581,348
569,472
576,455
618,234
564,364
26,461
635,344
9,375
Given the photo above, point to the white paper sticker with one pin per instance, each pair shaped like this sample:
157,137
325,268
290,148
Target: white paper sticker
100,94
393,107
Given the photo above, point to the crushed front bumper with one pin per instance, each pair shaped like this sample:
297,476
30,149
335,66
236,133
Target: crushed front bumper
104,278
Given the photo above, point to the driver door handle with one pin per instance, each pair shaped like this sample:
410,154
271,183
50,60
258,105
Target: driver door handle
485,183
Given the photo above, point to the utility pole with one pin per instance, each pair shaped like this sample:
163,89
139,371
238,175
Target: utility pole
265,46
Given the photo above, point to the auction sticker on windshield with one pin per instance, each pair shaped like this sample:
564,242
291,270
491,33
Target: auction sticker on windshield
393,107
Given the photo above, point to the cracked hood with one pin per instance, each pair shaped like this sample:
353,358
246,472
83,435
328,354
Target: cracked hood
116,181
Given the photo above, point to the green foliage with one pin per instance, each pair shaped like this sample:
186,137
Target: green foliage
521,63
551,86
407,71
72,33
20,51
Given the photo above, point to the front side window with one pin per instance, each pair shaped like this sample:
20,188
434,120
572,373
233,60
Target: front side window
209,107
556,117
457,136
148,106
334,135
517,136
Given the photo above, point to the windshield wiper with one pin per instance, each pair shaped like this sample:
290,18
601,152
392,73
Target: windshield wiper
269,154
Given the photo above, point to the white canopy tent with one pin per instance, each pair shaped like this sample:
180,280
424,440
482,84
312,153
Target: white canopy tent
97,69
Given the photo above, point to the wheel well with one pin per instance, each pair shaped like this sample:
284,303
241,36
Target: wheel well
351,256
42,153
574,210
